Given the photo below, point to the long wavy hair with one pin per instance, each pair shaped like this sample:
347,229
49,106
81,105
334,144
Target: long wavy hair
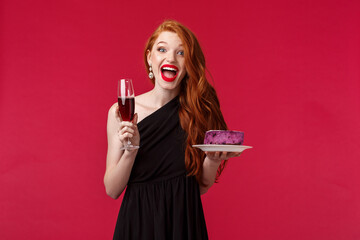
199,105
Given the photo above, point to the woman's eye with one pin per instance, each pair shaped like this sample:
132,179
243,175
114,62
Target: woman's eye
181,53
161,50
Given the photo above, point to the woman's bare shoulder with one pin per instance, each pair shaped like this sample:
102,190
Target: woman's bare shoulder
112,107
112,112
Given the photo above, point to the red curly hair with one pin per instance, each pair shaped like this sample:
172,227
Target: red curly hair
199,105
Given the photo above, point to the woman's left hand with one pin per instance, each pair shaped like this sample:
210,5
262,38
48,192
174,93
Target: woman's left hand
220,156
210,167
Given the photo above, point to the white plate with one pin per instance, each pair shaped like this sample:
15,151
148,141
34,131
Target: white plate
221,148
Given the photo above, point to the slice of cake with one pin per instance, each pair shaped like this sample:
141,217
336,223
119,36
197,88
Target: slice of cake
224,137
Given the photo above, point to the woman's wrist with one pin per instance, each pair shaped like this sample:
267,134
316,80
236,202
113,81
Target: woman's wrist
213,163
130,154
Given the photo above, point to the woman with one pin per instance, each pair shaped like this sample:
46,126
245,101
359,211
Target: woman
166,176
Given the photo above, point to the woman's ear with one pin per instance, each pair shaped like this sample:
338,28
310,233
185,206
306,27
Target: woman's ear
148,56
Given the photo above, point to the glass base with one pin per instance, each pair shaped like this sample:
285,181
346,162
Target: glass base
129,147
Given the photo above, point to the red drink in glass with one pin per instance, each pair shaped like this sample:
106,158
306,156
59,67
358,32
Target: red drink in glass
126,101
126,108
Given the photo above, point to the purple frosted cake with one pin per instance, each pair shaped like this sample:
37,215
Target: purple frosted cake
224,137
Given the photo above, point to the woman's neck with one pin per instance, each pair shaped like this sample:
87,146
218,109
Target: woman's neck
159,97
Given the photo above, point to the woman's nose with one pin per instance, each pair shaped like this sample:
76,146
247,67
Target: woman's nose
170,57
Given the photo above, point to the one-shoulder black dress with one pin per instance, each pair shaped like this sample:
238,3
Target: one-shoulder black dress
161,202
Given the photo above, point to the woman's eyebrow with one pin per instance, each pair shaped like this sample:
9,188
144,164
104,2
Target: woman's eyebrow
166,43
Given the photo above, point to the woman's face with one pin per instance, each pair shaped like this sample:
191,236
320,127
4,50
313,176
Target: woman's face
167,60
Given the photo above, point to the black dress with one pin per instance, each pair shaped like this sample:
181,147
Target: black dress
160,201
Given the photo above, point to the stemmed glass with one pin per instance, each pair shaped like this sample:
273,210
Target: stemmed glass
126,101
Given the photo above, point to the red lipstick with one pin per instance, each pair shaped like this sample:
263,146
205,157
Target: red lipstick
170,68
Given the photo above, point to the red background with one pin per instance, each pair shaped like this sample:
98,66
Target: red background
287,74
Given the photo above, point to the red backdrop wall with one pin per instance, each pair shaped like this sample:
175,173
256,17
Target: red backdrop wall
286,72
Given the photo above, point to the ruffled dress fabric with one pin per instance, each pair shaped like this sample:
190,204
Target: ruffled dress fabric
161,202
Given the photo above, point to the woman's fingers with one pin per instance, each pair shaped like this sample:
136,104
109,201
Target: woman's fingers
211,154
126,130
222,155
125,136
227,155
135,118
234,154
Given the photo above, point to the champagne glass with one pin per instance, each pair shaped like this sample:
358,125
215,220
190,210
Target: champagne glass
126,101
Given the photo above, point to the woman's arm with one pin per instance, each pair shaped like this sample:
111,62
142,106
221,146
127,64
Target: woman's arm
210,167
119,162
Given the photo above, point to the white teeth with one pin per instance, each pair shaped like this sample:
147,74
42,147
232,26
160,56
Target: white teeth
169,69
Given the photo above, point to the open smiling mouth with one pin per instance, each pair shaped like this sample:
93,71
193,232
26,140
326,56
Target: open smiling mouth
169,72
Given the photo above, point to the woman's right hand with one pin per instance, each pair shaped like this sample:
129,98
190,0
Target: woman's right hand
127,130
118,162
